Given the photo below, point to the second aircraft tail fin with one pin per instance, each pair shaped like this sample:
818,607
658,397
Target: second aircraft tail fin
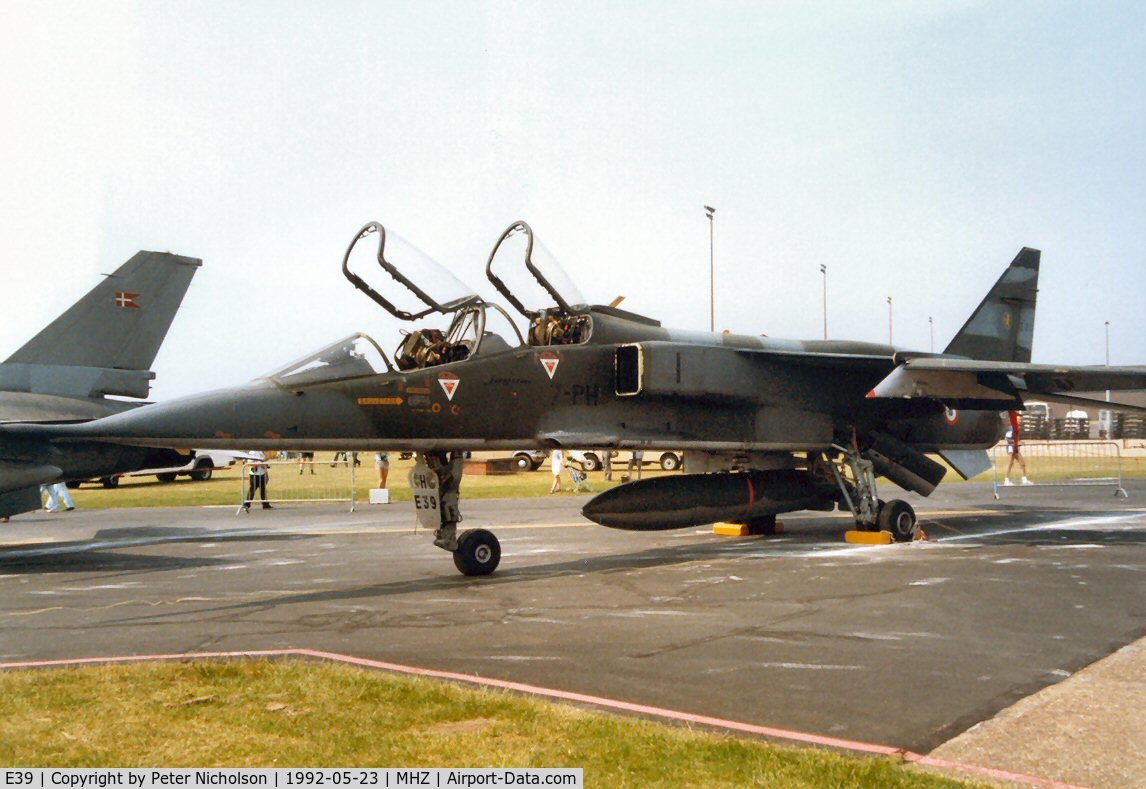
113,333
121,322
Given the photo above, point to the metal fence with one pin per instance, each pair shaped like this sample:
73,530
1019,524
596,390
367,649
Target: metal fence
1090,463
300,481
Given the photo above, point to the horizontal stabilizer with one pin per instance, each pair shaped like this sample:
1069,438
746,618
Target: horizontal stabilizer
1093,403
968,463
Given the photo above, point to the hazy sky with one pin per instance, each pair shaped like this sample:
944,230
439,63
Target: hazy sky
911,147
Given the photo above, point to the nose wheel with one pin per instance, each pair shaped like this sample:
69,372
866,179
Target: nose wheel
478,552
435,482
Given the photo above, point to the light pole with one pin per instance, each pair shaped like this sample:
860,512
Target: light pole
710,212
1108,355
931,331
824,271
889,320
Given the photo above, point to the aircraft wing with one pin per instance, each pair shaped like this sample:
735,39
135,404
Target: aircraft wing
968,383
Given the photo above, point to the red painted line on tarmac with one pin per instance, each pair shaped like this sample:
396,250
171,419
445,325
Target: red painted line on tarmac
564,695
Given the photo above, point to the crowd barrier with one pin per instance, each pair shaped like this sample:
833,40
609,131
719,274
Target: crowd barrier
1088,463
300,481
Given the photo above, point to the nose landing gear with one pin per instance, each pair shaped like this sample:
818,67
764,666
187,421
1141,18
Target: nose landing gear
435,482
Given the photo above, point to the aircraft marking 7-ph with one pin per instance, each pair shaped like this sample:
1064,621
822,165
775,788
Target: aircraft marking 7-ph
768,425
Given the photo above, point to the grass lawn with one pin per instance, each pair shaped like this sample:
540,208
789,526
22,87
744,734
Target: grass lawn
303,714
223,487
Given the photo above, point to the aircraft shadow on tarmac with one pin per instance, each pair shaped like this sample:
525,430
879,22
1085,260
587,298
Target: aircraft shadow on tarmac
973,531
101,561
104,551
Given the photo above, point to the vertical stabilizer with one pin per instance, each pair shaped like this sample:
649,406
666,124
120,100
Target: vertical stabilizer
120,323
1002,327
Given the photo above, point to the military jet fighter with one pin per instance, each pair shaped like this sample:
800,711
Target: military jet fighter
768,425
100,348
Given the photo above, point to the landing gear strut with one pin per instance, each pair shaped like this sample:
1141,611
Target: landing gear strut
861,497
436,482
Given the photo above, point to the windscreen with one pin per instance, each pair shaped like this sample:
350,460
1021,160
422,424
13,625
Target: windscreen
350,357
400,277
529,276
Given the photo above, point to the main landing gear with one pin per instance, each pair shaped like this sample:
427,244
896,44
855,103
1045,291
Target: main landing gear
859,493
436,483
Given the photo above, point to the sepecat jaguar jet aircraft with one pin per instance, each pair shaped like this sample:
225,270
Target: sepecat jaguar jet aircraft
767,425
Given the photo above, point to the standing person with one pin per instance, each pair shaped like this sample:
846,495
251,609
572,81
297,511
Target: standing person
607,465
337,455
305,459
57,493
1012,448
382,465
637,461
557,462
258,472
1014,451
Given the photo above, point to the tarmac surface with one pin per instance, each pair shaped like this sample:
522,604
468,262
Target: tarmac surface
902,645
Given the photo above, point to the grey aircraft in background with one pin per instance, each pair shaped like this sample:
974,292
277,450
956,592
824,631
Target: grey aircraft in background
767,425
100,349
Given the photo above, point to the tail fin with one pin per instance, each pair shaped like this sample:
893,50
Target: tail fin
1002,327
118,326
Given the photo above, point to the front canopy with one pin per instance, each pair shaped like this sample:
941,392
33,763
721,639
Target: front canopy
433,287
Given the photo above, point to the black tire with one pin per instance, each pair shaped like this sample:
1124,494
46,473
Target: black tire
167,476
764,524
670,462
73,483
478,552
591,462
109,482
202,473
523,462
897,517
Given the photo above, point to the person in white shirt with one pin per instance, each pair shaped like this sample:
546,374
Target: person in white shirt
257,471
557,461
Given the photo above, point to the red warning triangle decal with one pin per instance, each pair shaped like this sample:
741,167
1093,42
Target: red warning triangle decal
449,383
550,365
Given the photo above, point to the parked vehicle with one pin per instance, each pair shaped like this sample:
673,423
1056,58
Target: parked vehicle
529,460
669,461
199,468
200,465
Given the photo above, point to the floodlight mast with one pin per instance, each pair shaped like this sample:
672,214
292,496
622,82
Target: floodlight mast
710,212
824,271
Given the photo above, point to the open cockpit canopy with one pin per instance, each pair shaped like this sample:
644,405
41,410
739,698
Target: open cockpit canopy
433,287
427,288
531,279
